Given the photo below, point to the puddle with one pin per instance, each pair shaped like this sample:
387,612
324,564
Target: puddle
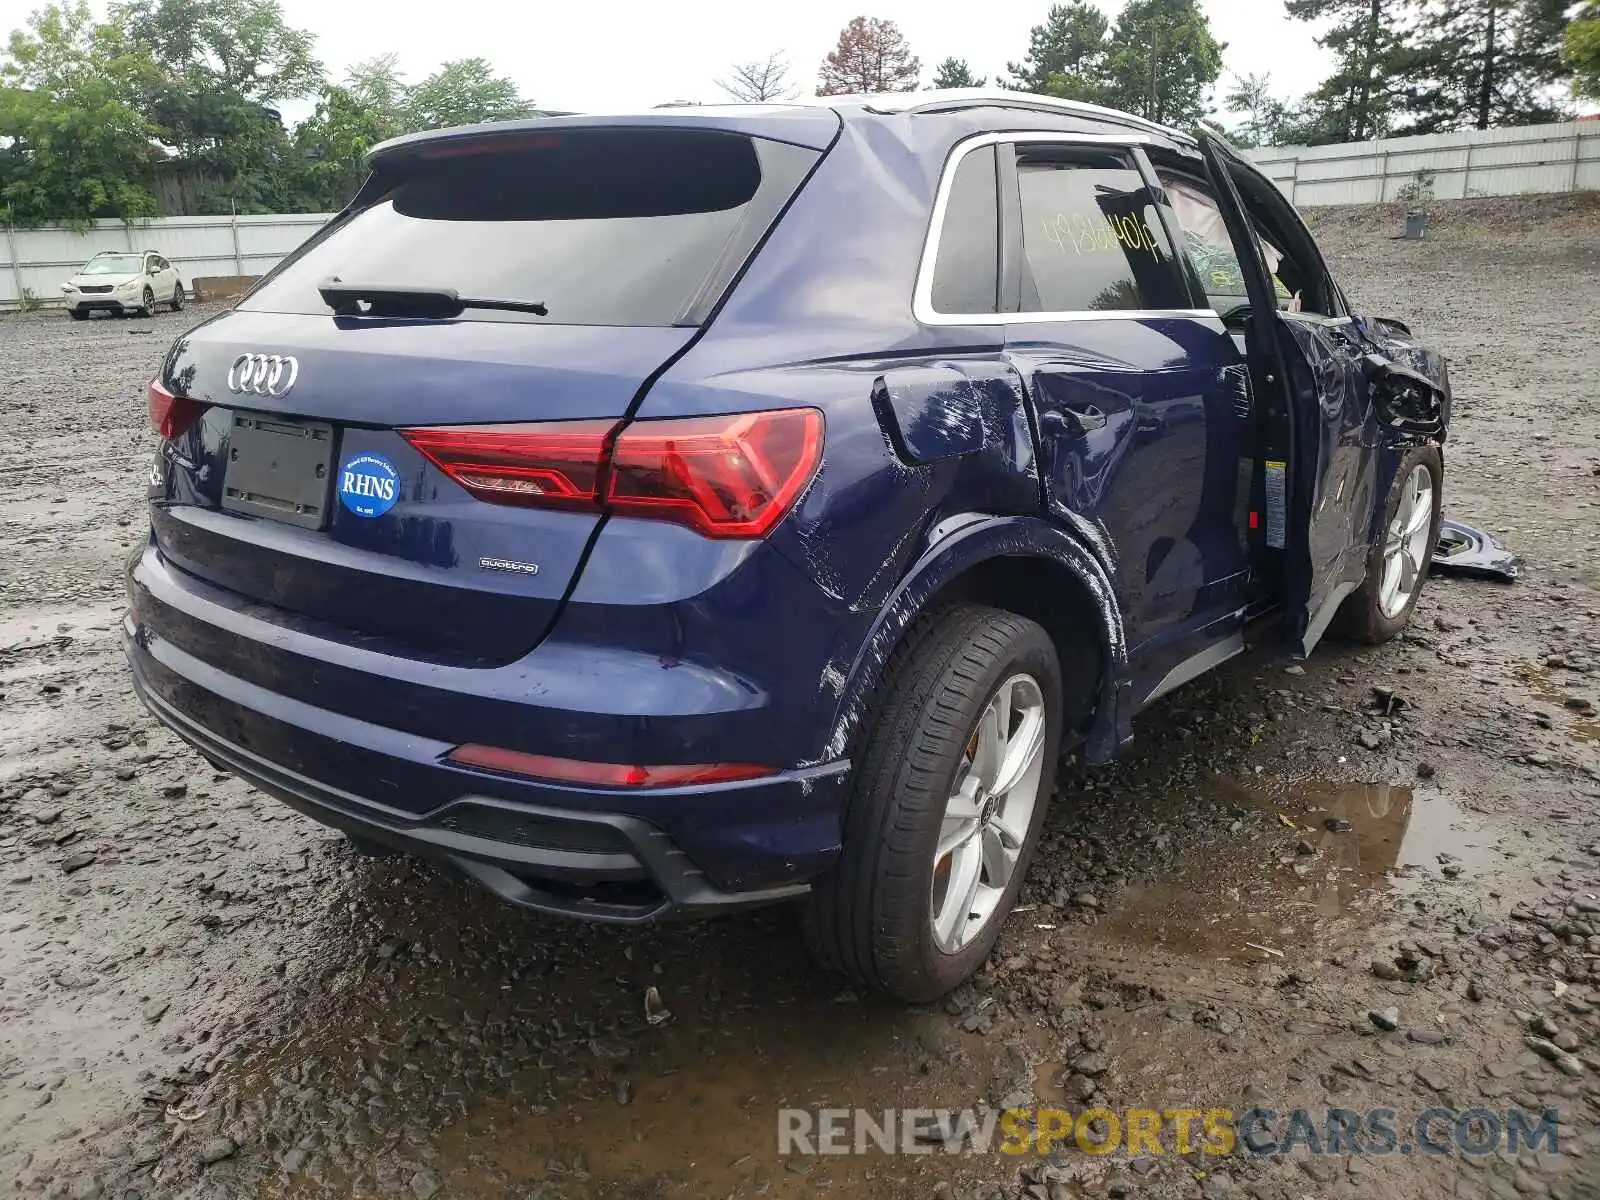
1371,842
1585,726
540,1070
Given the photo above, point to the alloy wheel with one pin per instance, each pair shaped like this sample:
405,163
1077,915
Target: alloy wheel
1406,547
989,813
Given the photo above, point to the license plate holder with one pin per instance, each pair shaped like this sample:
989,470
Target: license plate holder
280,468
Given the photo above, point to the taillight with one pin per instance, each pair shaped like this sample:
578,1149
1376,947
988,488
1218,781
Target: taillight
170,415
618,775
726,476
555,464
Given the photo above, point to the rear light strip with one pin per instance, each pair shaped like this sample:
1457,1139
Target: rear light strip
730,476
616,775
733,476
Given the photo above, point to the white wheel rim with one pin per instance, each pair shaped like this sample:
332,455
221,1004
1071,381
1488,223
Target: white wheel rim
1406,547
989,813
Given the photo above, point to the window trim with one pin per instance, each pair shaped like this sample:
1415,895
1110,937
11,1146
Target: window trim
922,294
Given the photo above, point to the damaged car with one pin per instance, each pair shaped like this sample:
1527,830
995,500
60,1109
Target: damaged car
654,516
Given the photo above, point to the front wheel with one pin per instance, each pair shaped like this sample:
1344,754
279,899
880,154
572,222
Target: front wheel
147,303
945,810
1399,562
177,297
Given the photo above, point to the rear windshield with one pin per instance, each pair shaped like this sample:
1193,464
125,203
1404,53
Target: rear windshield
602,227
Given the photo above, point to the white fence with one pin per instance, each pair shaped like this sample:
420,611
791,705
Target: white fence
1478,162
1494,162
41,259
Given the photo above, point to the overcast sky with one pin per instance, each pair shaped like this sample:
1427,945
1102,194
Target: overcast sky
593,55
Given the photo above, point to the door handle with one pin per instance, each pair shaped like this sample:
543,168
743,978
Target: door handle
1073,422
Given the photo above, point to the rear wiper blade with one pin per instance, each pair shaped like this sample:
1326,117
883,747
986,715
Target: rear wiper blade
389,300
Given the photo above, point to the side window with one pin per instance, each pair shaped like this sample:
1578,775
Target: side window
161,263
1091,237
966,273
1210,249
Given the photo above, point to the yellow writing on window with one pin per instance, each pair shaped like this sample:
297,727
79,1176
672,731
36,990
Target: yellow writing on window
1080,234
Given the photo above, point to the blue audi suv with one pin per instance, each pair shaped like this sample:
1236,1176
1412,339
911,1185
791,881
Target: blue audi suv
658,515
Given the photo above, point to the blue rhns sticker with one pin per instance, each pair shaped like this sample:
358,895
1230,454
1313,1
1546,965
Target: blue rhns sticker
369,485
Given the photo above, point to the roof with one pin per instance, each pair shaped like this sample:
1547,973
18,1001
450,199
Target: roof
955,99
801,121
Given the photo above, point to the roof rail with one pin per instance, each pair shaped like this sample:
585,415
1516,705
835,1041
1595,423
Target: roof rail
951,99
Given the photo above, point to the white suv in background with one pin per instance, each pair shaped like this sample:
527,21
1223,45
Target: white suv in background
122,282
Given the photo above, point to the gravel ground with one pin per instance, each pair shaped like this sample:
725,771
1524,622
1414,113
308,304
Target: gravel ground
203,994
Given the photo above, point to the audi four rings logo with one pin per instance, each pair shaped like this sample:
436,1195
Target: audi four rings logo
263,374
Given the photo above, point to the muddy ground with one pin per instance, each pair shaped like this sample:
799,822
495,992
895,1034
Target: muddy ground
203,994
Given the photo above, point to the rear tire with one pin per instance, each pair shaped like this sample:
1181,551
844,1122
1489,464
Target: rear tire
1397,568
908,910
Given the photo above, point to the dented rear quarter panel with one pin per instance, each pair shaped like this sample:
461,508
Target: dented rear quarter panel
927,428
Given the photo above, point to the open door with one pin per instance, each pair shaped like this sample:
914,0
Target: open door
1317,480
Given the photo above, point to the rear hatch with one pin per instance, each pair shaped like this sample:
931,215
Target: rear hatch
483,279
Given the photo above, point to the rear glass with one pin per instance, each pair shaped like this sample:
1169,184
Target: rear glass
603,227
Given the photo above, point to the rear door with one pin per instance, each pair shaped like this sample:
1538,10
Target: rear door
1319,481
1136,396
168,277
422,482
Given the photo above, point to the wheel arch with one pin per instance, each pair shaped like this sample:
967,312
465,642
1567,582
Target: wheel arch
1022,565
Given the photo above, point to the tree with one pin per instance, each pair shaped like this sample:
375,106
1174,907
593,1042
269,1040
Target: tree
1066,54
333,142
464,92
1265,116
759,82
377,84
223,66
1366,38
954,73
1486,63
1164,60
872,56
72,144
1582,49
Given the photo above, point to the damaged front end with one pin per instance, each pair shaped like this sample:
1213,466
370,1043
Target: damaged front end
1406,401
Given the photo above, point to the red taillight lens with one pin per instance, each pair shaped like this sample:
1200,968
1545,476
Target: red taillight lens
170,415
617,775
552,464
727,477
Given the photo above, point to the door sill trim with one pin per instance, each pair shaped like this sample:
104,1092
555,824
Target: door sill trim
1197,665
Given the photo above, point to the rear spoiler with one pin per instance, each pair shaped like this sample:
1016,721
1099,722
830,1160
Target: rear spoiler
813,128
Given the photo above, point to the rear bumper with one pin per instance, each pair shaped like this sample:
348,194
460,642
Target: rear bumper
595,853
580,862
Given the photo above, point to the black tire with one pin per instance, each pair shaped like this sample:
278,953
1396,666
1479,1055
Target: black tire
1362,615
177,296
870,918
78,314
148,307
